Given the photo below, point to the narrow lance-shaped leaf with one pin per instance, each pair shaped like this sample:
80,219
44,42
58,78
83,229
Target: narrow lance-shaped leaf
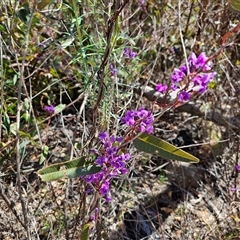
69,169
42,4
44,154
235,5
59,108
150,144
85,232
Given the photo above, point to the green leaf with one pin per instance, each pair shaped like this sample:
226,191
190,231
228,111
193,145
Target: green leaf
69,169
44,154
59,108
13,128
85,232
2,28
235,5
6,122
7,155
67,42
150,144
15,78
116,30
24,13
22,146
42,4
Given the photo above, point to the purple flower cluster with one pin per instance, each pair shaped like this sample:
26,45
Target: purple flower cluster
140,118
49,109
161,88
199,75
113,71
128,53
197,79
112,162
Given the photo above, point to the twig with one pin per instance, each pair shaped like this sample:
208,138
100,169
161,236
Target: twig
100,72
181,35
18,119
1,87
10,205
191,107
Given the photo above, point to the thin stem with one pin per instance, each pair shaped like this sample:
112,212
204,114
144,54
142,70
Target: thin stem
18,119
181,36
1,87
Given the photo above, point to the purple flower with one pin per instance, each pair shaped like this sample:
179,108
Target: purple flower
141,117
132,54
88,191
195,80
126,156
112,161
129,53
119,139
149,120
128,119
111,151
107,144
102,136
104,188
113,70
183,69
141,2
238,168
177,75
161,88
124,170
112,139
142,127
117,165
202,89
172,49
201,61
89,178
149,129
196,63
100,160
200,79
192,59
184,96
142,113
174,86
93,217
126,52
108,198
49,109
